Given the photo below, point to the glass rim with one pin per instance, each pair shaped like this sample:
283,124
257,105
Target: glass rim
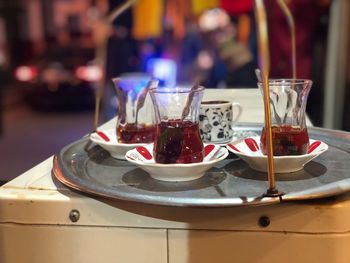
273,82
128,75
174,90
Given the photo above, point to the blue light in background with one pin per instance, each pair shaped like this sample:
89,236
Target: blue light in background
164,70
134,83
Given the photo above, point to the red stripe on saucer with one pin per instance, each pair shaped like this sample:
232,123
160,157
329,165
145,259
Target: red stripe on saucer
103,136
313,146
251,143
144,152
208,149
233,147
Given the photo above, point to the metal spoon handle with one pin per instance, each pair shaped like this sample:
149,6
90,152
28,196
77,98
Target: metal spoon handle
142,98
186,109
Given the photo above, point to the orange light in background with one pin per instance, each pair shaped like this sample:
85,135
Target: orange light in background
89,73
26,73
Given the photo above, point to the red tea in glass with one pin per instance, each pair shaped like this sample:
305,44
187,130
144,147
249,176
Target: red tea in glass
132,133
178,142
287,140
135,122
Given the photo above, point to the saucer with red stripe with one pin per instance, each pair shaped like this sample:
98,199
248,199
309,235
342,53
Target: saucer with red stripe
107,139
248,149
142,156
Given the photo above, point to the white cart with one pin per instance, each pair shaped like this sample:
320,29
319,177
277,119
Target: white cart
44,221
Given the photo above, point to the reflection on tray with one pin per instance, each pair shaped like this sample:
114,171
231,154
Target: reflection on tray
229,183
142,180
241,169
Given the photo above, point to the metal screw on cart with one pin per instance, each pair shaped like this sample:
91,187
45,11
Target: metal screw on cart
264,221
74,215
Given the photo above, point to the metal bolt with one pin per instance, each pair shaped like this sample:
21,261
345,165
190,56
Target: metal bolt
264,221
74,215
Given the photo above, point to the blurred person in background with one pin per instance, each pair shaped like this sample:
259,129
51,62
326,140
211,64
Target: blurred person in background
191,46
307,15
227,59
1,101
122,47
311,30
237,43
220,54
121,50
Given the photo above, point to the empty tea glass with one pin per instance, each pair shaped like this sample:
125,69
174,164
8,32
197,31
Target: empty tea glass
288,98
177,132
135,120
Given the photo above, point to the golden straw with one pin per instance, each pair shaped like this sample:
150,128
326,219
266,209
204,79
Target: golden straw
263,46
291,25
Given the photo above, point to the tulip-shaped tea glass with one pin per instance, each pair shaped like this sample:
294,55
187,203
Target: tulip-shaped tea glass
177,132
288,98
135,122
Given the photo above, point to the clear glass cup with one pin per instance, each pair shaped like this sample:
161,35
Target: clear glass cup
177,124
288,99
135,120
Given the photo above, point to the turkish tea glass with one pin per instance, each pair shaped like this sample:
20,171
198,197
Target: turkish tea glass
177,131
288,99
135,119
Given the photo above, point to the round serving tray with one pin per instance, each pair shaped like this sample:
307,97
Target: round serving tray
229,183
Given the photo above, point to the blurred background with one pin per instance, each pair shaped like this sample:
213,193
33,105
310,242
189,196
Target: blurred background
50,66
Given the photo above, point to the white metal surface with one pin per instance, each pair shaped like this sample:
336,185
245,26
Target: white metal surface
34,219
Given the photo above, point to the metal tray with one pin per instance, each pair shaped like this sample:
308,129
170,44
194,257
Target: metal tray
230,183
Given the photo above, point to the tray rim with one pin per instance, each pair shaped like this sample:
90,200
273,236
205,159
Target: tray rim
224,202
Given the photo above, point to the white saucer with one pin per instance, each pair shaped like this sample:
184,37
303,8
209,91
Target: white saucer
143,158
107,139
249,150
237,135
